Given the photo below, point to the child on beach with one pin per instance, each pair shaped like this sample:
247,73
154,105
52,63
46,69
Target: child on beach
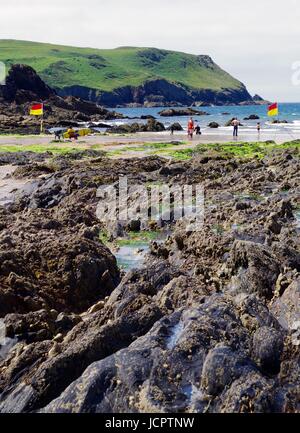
72,134
258,127
191,128
198,129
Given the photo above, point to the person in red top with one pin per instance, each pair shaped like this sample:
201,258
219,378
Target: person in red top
191,128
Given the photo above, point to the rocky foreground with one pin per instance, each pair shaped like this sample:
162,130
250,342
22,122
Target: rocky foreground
210,323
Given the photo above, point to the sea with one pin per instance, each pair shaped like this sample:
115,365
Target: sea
289,112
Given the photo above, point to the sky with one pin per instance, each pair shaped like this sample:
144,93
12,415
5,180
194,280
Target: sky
257,41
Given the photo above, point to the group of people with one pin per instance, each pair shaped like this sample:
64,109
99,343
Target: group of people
60,134
236,123
193,127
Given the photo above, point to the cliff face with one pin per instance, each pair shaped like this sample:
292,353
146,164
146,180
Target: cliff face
160,92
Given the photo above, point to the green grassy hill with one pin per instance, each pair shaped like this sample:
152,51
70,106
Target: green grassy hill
106,70
127,75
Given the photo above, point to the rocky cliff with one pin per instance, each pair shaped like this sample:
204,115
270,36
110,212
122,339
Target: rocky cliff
160,92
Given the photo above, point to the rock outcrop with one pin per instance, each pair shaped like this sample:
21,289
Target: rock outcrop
152,125
260,101
170,112
213,125
24,87
252,117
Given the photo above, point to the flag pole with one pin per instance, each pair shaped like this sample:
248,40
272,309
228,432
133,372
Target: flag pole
42,120
277,121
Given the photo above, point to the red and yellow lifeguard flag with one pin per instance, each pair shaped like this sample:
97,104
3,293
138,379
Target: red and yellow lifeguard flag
273,110
37,110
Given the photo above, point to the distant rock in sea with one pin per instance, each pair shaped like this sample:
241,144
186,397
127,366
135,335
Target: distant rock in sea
213,125
252,117
172,112
259,100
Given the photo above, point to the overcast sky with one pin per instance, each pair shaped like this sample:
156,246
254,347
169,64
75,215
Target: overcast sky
256,41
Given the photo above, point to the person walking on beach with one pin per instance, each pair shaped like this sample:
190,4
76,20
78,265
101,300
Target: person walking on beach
258,129
191,128
235,124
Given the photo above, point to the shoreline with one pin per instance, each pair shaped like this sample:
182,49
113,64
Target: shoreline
141,138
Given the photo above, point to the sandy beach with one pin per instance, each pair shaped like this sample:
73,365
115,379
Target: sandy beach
115,143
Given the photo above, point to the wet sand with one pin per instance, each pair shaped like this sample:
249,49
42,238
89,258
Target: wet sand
111,142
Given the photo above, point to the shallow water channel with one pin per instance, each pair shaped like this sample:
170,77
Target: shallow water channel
10,186
131,254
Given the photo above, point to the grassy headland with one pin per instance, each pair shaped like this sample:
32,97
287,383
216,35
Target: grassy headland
106,70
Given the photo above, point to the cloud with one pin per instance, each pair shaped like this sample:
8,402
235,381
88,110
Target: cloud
257,41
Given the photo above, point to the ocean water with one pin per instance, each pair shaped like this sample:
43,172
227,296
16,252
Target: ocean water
287,111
